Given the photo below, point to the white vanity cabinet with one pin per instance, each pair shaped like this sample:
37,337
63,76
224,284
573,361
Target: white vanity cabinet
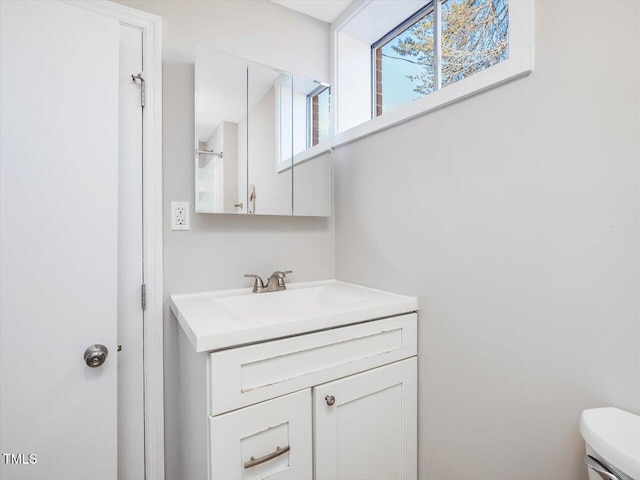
337,401
337,404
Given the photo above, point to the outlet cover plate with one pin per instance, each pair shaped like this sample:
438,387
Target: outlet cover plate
180,214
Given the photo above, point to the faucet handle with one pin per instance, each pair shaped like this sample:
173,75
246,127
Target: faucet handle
281,274
257,281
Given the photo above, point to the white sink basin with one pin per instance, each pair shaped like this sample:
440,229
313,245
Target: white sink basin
222,319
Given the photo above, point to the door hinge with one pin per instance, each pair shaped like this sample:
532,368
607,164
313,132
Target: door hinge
144,296
142,86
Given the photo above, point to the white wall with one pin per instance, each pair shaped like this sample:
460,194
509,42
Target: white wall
513,216
220,249
354,82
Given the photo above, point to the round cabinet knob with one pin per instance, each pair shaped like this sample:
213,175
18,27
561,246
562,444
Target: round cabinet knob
95,355
330,399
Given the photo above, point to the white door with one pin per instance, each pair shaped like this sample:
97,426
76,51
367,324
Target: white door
272,440
366,425
58,240
130,271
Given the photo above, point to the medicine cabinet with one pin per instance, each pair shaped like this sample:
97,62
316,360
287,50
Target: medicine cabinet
262,139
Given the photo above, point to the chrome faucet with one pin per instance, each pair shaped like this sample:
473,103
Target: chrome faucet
274,284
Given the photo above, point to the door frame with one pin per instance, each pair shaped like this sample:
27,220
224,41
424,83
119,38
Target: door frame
151,26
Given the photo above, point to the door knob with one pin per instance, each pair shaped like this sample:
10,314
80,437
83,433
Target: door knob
95,355
330,399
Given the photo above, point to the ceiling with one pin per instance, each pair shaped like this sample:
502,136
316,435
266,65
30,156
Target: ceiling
325,10
379,17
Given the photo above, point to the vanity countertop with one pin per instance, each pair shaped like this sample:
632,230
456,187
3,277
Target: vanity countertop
227,318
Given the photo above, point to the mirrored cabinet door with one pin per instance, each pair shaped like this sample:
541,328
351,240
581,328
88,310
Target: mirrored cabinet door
221,133
262,139
270,136
311,147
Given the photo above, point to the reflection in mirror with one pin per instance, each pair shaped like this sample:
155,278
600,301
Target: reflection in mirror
311,144
220,153
270,139
311,117
260,132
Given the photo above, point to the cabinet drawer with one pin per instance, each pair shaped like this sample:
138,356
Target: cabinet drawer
247,375
272,439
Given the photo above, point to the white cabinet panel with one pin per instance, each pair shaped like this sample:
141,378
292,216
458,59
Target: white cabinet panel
247,375
370,429
262,431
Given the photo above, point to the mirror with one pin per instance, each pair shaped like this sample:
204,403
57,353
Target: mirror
220,151
311,147
311,110
270,134
262,139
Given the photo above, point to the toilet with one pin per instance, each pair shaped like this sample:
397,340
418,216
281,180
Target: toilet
612,438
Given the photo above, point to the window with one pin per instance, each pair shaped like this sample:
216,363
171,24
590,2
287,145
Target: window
318,116
437,46
395,60
303,117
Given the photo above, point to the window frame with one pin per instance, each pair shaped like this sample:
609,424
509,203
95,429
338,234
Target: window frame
314,93
520,63
403,26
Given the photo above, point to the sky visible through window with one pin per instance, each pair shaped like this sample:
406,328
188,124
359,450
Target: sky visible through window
397,71
474,36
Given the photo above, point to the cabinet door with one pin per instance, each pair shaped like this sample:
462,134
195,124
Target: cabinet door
366,425
271,439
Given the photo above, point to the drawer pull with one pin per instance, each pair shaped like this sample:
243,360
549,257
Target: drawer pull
270,456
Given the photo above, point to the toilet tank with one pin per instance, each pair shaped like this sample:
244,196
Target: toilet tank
612,436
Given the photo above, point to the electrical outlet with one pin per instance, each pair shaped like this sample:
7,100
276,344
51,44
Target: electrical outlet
180,216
